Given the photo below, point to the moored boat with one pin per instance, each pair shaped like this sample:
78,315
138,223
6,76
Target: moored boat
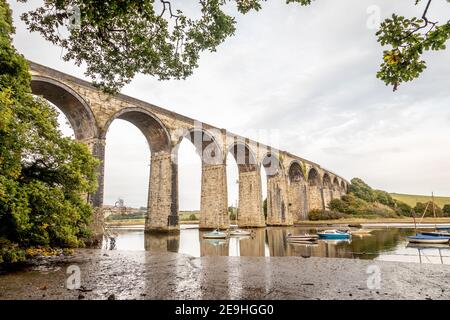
240,232
430,239
216,234
334,235
361,232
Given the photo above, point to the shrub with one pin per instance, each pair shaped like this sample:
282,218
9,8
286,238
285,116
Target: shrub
403,208
446,210
361,190
419,209
193,217
315,215
10,253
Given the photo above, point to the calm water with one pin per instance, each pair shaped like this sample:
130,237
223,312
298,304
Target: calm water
387,244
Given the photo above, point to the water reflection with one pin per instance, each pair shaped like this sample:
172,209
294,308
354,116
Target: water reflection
384,244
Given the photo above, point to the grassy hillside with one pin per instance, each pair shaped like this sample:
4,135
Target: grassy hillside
412,199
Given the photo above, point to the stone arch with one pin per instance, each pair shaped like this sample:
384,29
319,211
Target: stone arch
336,184
152,128
296,172
298,204
326,181
74,107
271,164
277,194
315,191
214,195
250,210
314,178
244,156
343,186
162,201
205,145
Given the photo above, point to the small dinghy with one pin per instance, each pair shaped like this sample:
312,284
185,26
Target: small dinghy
361,232
302,237
240,232
428,239
334,235
216,234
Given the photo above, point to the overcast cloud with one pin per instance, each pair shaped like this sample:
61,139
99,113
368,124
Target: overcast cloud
307,74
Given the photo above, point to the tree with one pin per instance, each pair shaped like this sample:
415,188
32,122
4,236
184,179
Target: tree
119,38
43,177
361,190
446,210
427,208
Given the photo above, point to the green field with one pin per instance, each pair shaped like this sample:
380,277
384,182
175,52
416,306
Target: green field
412,199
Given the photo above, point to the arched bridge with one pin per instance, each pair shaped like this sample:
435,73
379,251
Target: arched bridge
295,186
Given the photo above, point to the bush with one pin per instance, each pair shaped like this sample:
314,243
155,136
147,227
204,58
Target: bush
419,209
361,190
10,253
193,217
232,216
446,210
402,208
315,215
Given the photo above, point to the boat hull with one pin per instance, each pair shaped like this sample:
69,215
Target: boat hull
428,239
334,236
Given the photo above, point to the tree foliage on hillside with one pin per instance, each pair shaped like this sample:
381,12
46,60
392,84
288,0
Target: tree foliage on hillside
362,200
119,38
43,176
430,209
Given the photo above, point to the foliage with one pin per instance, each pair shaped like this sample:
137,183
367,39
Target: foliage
193,217
119,38
403,208
446,210
409,38
43,177
316,215
361,190
420,207
363,201
130,216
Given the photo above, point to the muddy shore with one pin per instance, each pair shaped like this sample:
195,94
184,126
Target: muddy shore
146,275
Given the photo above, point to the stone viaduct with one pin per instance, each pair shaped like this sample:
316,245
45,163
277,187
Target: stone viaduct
295,186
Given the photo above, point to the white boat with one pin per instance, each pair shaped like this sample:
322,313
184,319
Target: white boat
216,234
361,232
302,237
240,232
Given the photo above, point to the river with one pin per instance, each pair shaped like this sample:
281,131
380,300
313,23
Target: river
387,244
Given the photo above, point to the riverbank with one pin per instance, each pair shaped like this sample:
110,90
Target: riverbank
346,221
155,275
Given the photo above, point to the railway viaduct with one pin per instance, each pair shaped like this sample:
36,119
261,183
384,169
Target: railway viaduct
295,185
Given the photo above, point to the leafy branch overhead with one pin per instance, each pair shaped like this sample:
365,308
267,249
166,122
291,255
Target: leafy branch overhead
117,39
409,38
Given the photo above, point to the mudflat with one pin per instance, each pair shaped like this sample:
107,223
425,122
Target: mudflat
165,275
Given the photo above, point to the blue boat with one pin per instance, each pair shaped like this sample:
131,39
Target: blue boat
334,235
443,228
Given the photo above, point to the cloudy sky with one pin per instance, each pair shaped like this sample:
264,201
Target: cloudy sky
301,79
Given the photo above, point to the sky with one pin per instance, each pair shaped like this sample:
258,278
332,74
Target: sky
301,79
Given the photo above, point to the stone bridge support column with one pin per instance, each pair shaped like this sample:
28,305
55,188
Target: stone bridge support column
327,196
298,202
97,148
315,198
162,212
278,213
250,211
214,198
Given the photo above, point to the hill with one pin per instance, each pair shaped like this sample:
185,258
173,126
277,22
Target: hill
412,199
